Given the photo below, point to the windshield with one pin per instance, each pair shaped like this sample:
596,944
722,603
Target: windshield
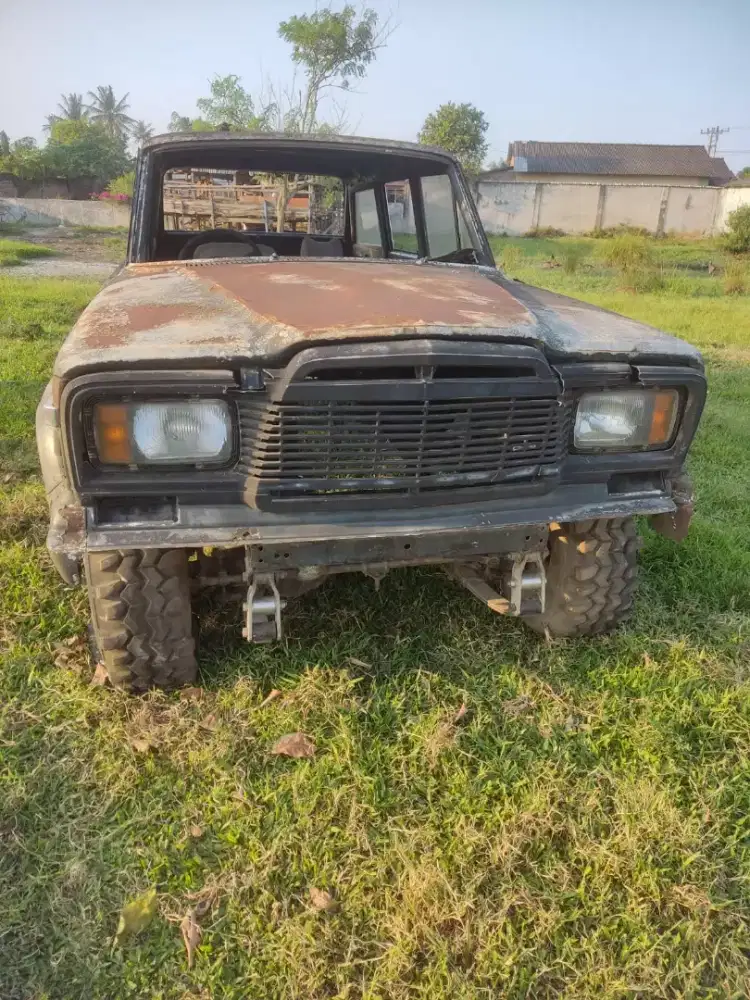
196,199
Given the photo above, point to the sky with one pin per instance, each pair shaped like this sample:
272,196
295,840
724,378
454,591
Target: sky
651,71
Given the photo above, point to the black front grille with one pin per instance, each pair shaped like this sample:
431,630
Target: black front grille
319,447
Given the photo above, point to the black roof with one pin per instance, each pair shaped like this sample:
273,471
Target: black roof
615,158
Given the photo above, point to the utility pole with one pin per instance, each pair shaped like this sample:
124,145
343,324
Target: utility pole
713,134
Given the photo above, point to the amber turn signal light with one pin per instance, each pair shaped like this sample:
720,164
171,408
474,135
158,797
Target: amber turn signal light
112,434
663,417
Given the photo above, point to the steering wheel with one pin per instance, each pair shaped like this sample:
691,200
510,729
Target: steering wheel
217,236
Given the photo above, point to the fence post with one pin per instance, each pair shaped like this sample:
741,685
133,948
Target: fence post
537,209
601,202
662,211
717,216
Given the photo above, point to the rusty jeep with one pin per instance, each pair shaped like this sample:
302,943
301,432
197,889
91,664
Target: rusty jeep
310,365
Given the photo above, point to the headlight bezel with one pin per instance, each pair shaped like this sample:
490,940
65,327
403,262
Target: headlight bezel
139,460
677,392
93,478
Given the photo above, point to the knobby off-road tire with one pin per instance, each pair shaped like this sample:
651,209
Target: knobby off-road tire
591,577
141,617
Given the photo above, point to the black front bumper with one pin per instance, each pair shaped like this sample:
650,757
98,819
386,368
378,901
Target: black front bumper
227,526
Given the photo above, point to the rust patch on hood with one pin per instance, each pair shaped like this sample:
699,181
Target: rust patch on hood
317,297
114,326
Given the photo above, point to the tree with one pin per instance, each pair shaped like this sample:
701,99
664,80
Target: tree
140,131
745,172
4,144
70,107
106,110
332,47
27,142
230,103
737,236
180,123
461,129
24,159
84,149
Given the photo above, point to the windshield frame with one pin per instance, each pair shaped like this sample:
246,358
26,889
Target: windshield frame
354,160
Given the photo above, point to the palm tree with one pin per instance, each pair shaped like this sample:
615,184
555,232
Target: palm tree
71,107
105,109
140,131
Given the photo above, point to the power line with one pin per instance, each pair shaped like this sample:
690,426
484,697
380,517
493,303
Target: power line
713,134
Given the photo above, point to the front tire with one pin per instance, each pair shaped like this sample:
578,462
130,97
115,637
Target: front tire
141,617
592,576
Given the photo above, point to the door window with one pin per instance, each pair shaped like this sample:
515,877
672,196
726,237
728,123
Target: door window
401,216
366,222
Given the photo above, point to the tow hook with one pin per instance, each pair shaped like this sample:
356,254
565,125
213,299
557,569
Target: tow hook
527,584
262,608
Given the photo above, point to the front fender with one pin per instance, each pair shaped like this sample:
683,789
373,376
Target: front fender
66,536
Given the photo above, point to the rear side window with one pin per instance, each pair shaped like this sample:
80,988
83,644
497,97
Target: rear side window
366,222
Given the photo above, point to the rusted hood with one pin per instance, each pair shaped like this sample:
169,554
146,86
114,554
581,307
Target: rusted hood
205,312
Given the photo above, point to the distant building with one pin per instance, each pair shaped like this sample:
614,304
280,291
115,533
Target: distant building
611,163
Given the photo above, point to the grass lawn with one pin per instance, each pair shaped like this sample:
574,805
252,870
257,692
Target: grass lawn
583,832
14,252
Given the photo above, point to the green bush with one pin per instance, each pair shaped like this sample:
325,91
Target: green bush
572,257
510,259
626,253
735,277
622,230
546,232
122,184
737,239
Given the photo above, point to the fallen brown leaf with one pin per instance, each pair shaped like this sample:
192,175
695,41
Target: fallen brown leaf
141,745
209,723
196,832
9,477
73,653
271,696
206,901
191,935
518,706
322,900
354,662
100,677
461,713
191,694
294,745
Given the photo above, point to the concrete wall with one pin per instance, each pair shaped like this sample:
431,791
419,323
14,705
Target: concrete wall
733,198
567,207
505,207
516,207
49,211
